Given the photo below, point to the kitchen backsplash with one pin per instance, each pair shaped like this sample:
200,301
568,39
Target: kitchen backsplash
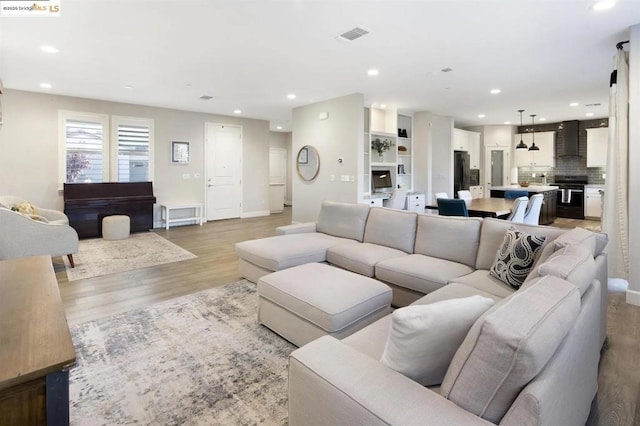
565,165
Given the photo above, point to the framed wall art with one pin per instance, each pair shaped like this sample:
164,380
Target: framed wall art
180,152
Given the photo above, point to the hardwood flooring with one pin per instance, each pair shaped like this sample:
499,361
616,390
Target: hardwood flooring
618,397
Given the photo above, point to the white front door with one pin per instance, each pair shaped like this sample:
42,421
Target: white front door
223,165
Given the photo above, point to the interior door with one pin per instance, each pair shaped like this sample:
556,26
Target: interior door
497,157
277,178
223,165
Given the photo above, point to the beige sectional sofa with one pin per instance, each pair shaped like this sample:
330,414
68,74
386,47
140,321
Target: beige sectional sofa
530,359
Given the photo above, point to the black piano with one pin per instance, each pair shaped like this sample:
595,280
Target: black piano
87,203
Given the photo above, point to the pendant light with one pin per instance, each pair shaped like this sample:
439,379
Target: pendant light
533,146
521,145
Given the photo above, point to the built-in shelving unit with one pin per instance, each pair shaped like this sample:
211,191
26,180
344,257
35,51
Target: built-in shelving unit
386,124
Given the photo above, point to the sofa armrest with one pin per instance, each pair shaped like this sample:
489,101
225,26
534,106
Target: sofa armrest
53,215
296,228
332,383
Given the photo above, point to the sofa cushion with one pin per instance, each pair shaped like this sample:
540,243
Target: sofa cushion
285,251
572,263
547,250
483,281
343,220
372,339
391,228
492,235
509,345
516,257
361,257
578,236
447,237
420,273
424,338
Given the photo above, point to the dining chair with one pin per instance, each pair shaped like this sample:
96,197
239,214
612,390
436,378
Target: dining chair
517,212
398,200
512,194
532,214
440,195
452,207
466,196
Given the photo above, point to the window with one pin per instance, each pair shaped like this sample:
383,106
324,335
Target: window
88,155
132,149
84,154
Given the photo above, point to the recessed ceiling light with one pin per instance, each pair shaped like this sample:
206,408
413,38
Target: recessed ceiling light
291,96
495,91
383,106
279,127
481,116
373,72
507,122
128,86
603,5
589,114
237,111
49,49
45,85
574,104
542,119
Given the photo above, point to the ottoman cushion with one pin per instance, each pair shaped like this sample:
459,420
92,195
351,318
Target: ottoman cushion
313,300
115,227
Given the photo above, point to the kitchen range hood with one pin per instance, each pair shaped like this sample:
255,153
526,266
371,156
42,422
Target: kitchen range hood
571,138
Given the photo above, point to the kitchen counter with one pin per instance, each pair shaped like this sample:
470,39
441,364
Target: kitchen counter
530,188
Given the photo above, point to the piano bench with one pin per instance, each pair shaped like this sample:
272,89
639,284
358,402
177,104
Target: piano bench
115,227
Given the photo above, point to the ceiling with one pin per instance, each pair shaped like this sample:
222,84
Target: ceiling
249,55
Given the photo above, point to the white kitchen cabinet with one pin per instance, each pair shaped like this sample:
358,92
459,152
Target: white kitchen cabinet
464,140
477,191
597,141
545,157
593,202
460,140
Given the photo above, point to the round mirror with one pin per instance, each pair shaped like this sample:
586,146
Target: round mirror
308,163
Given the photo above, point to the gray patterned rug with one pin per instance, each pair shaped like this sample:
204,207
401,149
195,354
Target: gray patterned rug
201,359
98,257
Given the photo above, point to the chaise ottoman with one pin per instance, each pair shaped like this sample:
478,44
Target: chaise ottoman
312,300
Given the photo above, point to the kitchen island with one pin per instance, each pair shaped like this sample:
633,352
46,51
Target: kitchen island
549,200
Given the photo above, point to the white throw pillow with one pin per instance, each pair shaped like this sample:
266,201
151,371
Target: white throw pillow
424,338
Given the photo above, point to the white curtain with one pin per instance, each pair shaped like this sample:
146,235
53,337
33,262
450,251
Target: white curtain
615,216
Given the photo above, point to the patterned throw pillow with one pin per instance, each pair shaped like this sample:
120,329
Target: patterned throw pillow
516,257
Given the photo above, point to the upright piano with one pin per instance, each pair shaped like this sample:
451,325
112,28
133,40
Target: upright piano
86,204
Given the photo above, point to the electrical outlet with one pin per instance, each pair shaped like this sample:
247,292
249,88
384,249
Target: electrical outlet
344,178
353,178
533,175
332,178
196,175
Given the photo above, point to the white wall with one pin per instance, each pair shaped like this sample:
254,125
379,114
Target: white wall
633,295
338,136
29,149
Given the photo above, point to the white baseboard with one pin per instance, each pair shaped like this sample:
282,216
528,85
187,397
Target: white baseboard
254,214
633,297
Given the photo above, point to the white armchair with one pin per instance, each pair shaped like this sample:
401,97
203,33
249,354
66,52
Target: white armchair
51,216
21,236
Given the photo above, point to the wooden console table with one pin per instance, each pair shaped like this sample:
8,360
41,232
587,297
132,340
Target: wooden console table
36,350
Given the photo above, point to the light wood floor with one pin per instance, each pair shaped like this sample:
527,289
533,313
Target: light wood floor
217,264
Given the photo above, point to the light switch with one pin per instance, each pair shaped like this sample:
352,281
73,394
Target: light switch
344,178
196,175
332,178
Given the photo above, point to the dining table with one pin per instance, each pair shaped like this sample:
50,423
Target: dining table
486,207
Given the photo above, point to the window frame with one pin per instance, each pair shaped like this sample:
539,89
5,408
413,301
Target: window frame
103,119
117,120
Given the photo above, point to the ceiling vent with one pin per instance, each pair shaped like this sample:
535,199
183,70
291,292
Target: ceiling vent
206,97
353,34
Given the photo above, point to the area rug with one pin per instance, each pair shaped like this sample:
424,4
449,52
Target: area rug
201,359
98,257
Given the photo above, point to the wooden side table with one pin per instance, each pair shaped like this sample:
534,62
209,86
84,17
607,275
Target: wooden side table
36,350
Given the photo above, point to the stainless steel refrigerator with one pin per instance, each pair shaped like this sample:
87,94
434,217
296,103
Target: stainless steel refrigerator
461,172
